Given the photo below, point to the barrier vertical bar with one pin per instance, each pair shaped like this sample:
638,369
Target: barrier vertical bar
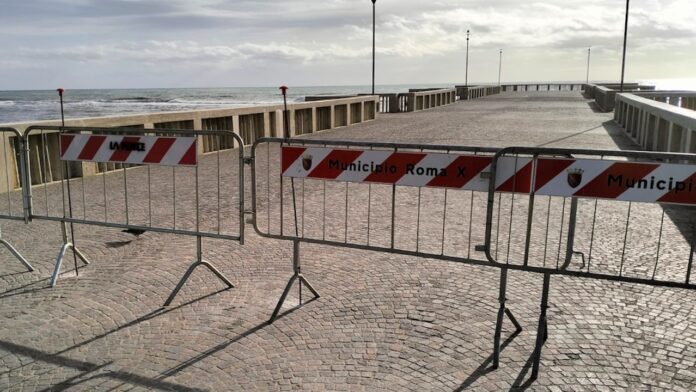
691,254
530,212
570,243
24,177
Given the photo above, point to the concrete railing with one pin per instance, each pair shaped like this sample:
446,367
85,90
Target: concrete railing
684,99
387,103
542,87
474,92
656,126
605,94
250,122
423,99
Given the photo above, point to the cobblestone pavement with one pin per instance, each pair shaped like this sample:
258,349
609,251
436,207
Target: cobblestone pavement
383,322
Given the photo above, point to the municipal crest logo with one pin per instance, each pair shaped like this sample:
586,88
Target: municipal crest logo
307,162
574,177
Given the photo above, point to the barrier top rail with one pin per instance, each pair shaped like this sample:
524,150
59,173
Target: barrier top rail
356,212
634,215
137,198
371,144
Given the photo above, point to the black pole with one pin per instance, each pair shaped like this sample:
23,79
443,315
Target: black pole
588,64
286,132
373,46
466,71
286,121
500,66
623,60
67,171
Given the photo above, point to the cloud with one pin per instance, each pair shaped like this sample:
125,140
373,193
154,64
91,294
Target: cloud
329,34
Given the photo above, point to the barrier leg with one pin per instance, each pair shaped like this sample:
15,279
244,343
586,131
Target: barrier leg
541,330
16,253
297,274
502,311
63,249
198,262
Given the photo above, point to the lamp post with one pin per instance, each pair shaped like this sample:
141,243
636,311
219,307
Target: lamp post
623,60
373,46
500,66
589,50
466,71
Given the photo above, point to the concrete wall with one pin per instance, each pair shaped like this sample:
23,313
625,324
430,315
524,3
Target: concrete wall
251,123
541,87
605,94
474,92
655,125
424,99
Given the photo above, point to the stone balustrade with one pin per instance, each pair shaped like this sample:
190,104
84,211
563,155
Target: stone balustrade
424,99
656,125
684,99
605,94
250,122
474,92
541,87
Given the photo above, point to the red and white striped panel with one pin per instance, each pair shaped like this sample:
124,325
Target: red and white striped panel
420,169
153,150
627,181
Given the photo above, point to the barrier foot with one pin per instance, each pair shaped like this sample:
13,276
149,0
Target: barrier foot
502,311
287,290
199,261
295,276
188,273
542,328
17,254
61,256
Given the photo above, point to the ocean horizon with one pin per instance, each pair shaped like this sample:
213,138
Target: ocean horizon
36,105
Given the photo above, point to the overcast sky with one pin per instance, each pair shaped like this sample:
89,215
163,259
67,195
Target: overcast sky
219,43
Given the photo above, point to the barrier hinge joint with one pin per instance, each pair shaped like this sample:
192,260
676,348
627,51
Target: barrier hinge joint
248,160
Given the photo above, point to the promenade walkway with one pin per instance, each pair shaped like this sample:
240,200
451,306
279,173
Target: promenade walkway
383,322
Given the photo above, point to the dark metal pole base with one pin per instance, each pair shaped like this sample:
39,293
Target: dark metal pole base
17,254
188,274
542,332
502,311
59,260
498,332
287,290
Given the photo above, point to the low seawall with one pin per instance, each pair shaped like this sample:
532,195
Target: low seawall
251,123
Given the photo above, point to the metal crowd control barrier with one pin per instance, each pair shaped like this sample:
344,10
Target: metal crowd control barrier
13,203
137,180
384,196
407,199
615,203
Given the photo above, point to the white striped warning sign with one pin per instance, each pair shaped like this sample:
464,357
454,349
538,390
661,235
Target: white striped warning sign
153,150
420,169
588,178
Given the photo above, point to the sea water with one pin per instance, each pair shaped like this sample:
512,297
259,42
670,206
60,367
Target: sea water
17,106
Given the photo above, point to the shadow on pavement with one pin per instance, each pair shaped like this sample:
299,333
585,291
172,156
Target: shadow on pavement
485,368
222,346
88,367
